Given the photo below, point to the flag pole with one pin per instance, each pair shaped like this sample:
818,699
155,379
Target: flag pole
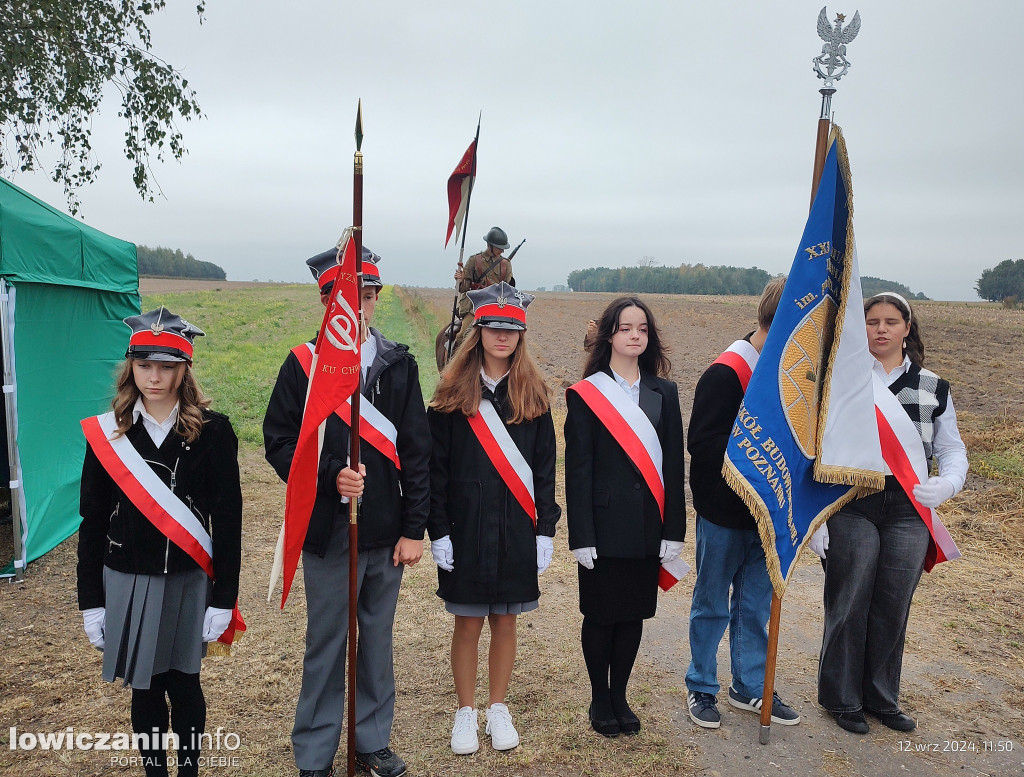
353,525
830,66
450,345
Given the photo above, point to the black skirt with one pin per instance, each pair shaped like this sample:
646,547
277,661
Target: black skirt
619,589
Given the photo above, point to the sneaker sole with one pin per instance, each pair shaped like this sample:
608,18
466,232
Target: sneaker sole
360,767
504,746
705,723
465,749
751,708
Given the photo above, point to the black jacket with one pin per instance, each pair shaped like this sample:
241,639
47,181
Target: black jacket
114,533
494,542
716,401
609,504
395,503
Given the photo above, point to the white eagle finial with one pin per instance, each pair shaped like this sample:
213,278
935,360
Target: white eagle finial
831,64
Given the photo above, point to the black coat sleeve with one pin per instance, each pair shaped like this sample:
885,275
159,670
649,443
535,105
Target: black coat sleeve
716,401
548,511
414,452
579,472
226,513
96,502
439,524
282,423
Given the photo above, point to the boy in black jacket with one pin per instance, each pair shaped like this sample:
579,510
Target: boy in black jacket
729,552
393,518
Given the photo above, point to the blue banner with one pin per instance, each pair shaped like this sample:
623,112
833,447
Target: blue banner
792,461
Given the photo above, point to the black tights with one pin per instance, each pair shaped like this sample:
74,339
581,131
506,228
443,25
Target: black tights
188,720
610,652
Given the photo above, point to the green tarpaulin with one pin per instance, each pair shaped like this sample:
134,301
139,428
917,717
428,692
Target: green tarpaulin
69,287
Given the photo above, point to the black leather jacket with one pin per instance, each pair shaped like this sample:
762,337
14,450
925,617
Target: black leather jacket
115,534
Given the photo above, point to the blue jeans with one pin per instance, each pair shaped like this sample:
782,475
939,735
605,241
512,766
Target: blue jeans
874,561
729,558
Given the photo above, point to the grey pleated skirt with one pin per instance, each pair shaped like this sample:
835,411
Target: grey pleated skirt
483,610
154,623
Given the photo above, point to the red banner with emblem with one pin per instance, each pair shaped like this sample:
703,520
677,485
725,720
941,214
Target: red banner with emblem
334,377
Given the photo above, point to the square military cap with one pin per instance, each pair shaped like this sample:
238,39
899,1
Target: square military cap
324,267
500,306
161,336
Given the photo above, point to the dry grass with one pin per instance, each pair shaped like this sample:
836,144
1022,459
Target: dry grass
964,661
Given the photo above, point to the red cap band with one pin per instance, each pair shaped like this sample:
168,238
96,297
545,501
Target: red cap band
494,310
163,340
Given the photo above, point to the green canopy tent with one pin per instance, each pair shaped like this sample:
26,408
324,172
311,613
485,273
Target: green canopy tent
64,288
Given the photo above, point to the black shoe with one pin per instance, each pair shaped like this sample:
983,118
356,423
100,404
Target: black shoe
897,721
629,723
852,721
382,763
606,728
316,772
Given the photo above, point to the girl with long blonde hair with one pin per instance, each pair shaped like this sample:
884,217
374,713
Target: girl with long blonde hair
492,494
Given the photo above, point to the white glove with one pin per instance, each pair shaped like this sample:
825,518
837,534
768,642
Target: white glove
215,622
95,619
670,550
545,547
585,556
819,541
934,491
443,553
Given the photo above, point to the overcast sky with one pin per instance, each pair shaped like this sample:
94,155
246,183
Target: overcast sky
611,131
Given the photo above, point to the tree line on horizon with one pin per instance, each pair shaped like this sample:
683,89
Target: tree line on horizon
1003,283
698,279
172,263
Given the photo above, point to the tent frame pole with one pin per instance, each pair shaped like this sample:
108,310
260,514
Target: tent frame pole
11,433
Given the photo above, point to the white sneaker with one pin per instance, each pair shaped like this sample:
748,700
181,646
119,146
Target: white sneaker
499,726
464,738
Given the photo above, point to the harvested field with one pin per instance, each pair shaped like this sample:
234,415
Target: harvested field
964,663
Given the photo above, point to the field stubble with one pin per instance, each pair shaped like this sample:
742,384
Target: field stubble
964,670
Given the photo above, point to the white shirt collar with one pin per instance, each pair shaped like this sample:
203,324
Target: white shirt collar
632,390
158,430
368,352
490,382
888,378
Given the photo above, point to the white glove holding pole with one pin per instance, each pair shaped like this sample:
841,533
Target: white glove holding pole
215,622
545,547
443,553
585,556
934,491
819,541
95,619
670,550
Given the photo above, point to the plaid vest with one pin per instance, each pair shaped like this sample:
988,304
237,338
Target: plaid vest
923,395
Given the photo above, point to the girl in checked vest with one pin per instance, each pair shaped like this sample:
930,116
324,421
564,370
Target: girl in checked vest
159,547
876,547
624,495
492,494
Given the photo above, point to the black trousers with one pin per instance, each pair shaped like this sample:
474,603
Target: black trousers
875,558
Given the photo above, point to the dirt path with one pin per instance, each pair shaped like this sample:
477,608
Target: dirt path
963,679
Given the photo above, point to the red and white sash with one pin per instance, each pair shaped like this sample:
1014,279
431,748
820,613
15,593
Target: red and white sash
504,455
630,427
153,498
742,357
374,426
904,456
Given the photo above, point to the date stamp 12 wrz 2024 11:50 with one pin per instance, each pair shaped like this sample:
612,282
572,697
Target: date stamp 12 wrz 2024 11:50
957,746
